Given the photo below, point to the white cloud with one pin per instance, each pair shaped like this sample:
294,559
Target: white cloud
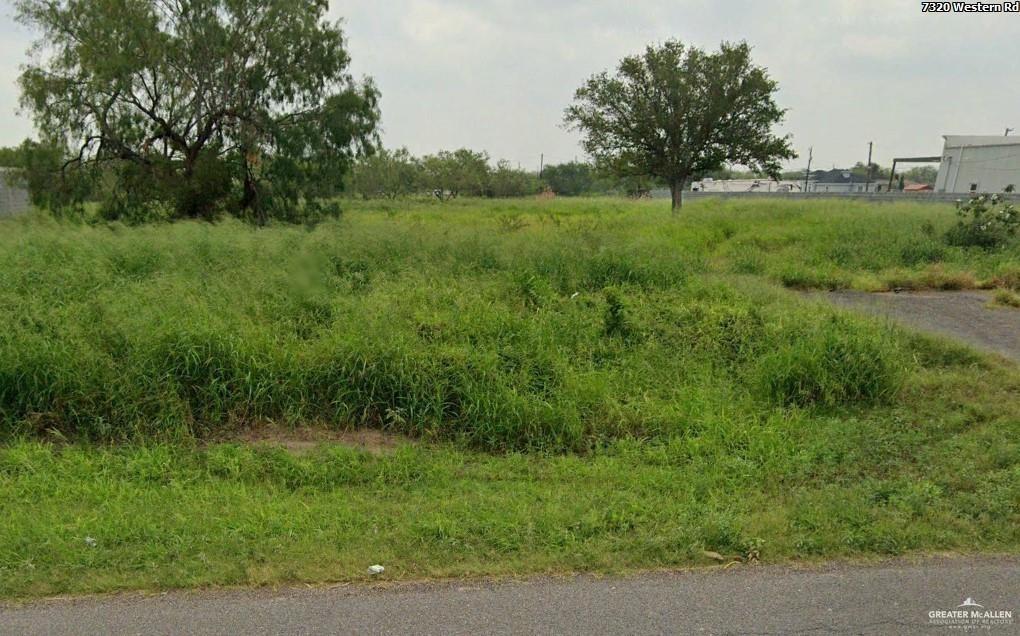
434,23
883,47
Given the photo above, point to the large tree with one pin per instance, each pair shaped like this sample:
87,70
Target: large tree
677,111
199,106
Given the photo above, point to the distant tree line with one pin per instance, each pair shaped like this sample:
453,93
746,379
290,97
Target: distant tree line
391,174
445,175
920,174
449,174
382,174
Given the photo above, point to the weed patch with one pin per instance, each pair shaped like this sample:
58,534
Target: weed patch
551,325
832,363
1006,298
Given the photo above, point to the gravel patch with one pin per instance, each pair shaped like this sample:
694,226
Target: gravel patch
962,315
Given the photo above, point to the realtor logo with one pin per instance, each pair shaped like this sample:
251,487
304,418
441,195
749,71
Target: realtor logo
971,616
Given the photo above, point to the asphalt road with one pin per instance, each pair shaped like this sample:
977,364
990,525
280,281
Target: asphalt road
891,598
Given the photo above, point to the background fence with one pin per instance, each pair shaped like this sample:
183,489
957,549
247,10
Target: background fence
876,197
13,198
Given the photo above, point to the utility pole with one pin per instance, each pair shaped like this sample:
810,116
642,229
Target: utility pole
807,175
541,165
867,186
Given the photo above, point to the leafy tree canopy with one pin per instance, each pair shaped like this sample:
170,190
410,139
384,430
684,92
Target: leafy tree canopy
677,111
460,172
192,108
507,181
923,174
386,173
444,175
10,157
873,172
570,179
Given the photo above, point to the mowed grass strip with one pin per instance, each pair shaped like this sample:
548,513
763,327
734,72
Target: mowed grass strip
937,474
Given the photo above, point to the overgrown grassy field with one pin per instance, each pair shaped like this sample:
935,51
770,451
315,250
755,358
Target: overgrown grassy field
590,385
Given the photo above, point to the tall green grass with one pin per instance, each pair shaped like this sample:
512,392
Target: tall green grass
573,323
716,411
833,364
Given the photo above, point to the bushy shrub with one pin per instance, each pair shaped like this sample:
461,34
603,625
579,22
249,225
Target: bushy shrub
984,221
616,321
796,277
724,331
922,252
1006,298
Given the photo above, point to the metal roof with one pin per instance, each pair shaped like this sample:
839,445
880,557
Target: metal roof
836,175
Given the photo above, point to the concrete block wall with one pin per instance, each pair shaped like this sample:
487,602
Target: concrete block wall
871,197
13,197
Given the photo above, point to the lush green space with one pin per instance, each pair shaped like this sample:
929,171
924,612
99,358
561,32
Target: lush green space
590,384
510,325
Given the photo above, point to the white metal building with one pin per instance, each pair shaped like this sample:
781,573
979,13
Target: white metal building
979,163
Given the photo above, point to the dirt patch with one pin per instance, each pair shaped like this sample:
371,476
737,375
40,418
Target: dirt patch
305,439
962,315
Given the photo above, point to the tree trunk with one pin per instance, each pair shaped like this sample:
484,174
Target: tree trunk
676,190
250,200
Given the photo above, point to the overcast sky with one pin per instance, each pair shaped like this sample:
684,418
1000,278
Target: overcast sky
495,75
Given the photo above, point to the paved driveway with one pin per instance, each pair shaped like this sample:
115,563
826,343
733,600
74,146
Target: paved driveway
962,315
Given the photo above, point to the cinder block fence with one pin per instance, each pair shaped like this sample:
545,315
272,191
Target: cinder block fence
13,197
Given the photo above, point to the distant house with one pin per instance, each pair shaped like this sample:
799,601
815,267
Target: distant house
837,180
979,163
744,185
13,197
